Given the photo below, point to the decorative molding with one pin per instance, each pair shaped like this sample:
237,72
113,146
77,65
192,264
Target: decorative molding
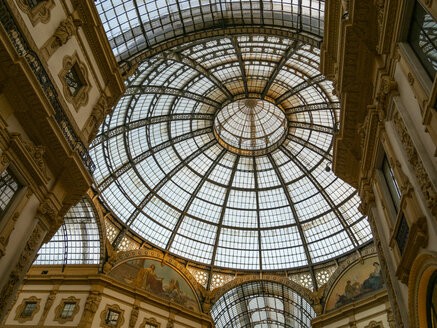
40,13
20,308
91,305
374,324
152,321
104,313
81,98
5,234
421,271
100,111
385,272
20,269
416,163
134,316
48,214
60,308
47,306
241,280
66,29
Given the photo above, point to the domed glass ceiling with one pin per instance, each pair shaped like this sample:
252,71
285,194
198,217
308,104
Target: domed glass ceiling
250,126
163,170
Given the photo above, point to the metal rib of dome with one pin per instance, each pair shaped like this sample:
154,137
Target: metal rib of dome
165,175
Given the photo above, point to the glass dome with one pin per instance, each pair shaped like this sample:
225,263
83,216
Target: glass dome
250,126
220,153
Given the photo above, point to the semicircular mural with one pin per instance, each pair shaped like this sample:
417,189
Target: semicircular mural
360,280
157,279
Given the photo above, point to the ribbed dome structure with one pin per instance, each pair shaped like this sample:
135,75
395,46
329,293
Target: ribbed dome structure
219,153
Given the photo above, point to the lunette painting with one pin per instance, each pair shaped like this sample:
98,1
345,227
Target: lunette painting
360,280
162,281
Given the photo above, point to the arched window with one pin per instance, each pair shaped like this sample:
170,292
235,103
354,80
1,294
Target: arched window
431,301
76,241
262,304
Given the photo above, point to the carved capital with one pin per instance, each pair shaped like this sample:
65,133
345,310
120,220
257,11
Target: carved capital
36,153
134,316
66,29
317,297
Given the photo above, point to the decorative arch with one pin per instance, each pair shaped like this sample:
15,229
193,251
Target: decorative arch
421,271
261,301
336,283
217,293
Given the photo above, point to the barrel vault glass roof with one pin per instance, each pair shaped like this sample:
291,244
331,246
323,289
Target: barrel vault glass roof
262,304
133,26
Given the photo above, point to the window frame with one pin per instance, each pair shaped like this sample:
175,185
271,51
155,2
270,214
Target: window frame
21,308
61,306
417,53
406,50
104,315
20,186
150,323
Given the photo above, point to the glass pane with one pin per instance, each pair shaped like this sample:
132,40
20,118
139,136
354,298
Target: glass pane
28,309
112,318
423,38
9,186
392,184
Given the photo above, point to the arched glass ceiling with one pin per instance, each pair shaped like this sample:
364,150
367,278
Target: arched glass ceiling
262,304
133,26
165,175
76,242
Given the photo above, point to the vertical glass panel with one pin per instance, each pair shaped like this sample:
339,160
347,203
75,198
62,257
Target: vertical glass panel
9,186
392,184
28,309
423,38
76,242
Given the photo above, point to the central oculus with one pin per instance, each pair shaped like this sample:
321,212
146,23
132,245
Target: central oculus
250,126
